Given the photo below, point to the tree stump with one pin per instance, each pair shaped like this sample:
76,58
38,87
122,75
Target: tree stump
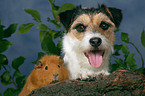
118,83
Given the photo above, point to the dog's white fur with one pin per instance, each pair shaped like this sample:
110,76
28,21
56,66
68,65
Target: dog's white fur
75,60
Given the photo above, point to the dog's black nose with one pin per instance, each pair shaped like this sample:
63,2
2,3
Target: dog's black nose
95,42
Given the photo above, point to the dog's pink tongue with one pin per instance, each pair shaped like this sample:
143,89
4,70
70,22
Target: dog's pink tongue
95,59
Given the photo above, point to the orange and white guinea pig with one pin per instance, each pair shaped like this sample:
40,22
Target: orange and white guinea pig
48,69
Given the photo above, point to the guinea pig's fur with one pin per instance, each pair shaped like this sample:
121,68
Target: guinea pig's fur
48,69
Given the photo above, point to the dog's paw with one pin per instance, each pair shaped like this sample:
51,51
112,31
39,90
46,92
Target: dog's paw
85,77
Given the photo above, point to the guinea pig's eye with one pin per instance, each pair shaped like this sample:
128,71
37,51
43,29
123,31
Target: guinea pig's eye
46,68
59,66
80,28
60,58
104,25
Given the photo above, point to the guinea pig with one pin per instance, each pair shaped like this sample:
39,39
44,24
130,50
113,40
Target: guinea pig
48,69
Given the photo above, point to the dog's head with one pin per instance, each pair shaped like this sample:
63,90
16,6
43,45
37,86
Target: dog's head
93,28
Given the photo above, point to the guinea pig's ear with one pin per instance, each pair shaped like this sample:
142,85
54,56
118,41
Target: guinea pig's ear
66,18
116,15
38,65
61,61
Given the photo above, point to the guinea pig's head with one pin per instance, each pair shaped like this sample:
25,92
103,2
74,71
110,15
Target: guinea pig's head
50,64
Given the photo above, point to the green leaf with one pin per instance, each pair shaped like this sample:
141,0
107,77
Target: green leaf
0,94
10,92
53,32
16,63
48,45
6,76
117,30
40,54
54,22
66,6
43,27
114,67
125,49
21,81
124,37
1,31
5,83
143,38
121,64
4,45
55,14
35,14
53,6
117,48
24,28
42,34
17,73
131,61
10,30
3,59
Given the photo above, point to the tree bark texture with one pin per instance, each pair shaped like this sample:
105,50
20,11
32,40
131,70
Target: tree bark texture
118,83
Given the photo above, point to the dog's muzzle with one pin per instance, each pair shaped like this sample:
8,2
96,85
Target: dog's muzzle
95,42
95,55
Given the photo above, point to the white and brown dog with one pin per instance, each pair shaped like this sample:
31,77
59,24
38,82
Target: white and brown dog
89,40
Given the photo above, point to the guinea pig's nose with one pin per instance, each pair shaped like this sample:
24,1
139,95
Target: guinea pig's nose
55,77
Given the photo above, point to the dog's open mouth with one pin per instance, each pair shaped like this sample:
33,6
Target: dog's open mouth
95,57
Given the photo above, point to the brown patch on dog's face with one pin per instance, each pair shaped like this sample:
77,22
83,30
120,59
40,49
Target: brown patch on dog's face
98,22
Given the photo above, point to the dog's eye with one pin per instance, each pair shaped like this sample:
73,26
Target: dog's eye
80,28
104,25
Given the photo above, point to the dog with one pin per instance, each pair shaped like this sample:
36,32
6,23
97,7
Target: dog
89,38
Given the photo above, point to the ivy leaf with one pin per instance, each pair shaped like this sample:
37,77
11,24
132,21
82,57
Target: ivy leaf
120,63
10,30
6,83
17,73
3,59
131,61
42,34
43,27
53,6
124,37
143,38
54,22
40,54
117,48
24,28
66,6
21,81
16,63
53,32
35,14
4,45
48,45
114,67
6,76
11,92
117,30
55,14
125,49
1,31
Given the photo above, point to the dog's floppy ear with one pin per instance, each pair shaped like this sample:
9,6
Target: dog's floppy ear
66,18
116,15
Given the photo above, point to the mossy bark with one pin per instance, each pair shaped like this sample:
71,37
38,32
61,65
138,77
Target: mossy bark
118,83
